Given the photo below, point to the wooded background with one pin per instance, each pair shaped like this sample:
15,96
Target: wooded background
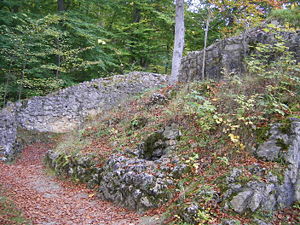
46,45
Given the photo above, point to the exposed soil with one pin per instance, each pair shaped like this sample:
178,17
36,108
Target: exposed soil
47,200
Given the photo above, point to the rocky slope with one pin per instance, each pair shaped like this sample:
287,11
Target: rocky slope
152,155
210,152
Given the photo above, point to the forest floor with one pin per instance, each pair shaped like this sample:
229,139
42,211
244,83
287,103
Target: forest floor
47,200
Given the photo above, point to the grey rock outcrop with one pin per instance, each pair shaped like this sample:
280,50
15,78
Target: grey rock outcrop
135,183
271,149
230,222
157,99
142,182
66,109
190,214
81,168
255,195
8,130
270,193
228,55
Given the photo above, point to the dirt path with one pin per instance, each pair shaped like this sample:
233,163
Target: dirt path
49,201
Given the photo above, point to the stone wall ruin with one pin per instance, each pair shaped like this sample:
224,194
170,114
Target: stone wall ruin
228,55
66,109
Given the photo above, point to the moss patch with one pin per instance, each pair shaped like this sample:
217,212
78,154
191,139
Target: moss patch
285,126
262,134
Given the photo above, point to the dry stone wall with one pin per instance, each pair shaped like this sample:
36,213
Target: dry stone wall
8,130
130,178
66,109
228,55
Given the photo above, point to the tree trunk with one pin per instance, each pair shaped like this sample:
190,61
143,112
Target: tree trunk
167,58
205,45
60,5
136,18
60,8
21,85
136,15
58,59
6,88
178,41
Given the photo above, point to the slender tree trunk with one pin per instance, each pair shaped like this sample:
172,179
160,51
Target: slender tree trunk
21,85
167,58
205,45
6,89
58,59
178,41
60,8
60,5
136,18
136,15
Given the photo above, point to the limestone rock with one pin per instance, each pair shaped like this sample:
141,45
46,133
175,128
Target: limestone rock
171,132
141,181
190,214
160,143
8,131
260,222
269,195
297,189
270,149
234,174
157,99
136,183
82,168
240,201
230,222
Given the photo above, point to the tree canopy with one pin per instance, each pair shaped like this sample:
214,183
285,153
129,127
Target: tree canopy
50,44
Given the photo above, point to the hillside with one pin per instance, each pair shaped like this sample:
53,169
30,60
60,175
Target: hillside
223,151
205,152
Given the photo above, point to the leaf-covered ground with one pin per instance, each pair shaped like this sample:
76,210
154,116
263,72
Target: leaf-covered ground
44,199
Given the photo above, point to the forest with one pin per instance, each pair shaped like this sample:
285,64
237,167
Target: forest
150,112
51,44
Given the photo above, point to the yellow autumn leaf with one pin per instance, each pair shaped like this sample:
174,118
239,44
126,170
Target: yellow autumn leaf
234,138
91,195
242,146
